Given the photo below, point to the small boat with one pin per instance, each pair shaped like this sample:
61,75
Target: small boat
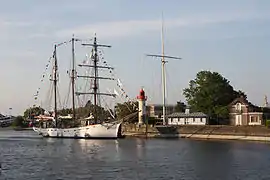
6,121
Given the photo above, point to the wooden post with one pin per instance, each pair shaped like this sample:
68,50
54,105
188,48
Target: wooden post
146,128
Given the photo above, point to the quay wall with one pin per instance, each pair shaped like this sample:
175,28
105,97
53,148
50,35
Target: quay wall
253,133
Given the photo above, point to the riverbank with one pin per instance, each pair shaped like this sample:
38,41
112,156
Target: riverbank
22,129
249,133
15,128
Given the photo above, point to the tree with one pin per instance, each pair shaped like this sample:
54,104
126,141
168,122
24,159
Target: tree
211,94
180,107
65,112
241,94
33,111
88,104
19,122
124,109
90,108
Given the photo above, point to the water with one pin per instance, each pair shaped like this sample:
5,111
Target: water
25,155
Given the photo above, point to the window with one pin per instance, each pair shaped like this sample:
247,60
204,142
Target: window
193,119
238,106
253,119
186,120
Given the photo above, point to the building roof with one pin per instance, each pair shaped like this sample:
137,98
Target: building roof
242,100
161,105
181,114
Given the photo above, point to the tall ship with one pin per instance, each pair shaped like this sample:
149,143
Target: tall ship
96,124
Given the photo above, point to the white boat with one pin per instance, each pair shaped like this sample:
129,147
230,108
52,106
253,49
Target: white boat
105,130
94,127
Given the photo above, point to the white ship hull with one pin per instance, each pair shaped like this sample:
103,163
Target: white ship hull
105,130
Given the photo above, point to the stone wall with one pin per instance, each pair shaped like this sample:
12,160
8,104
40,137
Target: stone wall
203,130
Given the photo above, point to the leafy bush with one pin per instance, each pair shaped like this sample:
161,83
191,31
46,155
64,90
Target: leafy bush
19,122
267,123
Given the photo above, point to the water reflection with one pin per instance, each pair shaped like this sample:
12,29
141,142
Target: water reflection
116,146
50,140
99,150
87,145
133,159
217,154
140,148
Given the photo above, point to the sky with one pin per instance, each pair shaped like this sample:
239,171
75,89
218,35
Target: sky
230,37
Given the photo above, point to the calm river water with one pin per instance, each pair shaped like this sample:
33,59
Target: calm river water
25,156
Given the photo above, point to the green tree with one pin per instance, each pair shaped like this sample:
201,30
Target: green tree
65,111
211,94
33,111
85,111
241,94
19,122
89,108
124,109
88,104
180,107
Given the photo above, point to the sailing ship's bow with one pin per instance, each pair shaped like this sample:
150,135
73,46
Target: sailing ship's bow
104,130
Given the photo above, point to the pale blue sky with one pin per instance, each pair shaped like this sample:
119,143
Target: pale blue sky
231,37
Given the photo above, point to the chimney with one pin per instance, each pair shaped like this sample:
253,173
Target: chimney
187,111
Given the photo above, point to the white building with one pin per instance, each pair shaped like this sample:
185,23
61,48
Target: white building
180,118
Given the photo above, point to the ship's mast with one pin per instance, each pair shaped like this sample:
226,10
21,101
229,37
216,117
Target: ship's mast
55,85
95,88
163,73
163,62
73,73
96,78
73,80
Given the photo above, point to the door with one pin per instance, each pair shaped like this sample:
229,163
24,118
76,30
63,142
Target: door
238,120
